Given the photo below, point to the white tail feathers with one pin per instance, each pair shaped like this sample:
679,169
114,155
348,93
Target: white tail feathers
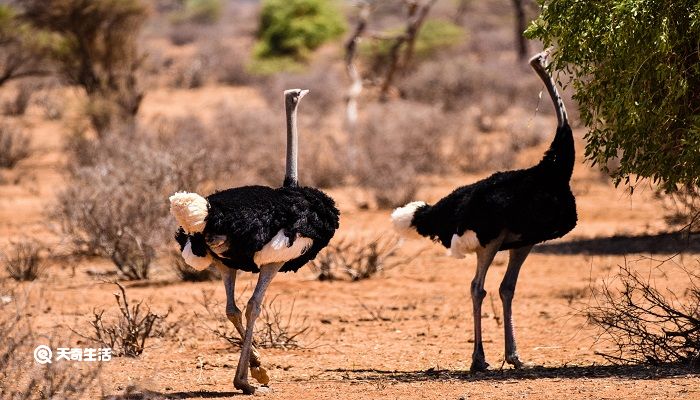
190,210
402,217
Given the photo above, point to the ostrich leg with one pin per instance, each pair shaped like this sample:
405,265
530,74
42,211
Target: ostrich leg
484,257
267,273
233,313
506,291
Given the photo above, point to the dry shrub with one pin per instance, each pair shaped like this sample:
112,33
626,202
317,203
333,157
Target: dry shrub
323,161
474,152
493,86
254,140
20,376
646,324
127,335
53,108
232,70
18,105
358,258
191,73
14,145
277,327
115,204
326,85
397,141
406,133
229,65
23,261
183,34
217,62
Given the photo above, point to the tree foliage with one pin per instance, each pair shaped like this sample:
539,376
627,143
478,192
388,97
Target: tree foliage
293,28
635,69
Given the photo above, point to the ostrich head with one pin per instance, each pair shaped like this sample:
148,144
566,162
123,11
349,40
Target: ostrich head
291,102
293,96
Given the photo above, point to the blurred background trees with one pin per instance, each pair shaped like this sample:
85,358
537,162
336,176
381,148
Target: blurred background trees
98,51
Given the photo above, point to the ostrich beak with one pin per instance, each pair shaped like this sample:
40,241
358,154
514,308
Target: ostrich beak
303,93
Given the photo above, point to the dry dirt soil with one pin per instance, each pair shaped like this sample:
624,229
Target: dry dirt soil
406,333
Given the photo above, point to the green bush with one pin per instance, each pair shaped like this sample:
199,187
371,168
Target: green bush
635,71
293,28
437,35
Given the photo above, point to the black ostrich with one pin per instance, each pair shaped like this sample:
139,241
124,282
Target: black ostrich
511,210
256,229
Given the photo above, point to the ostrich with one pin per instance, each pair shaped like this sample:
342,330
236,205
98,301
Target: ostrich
256,229
511,210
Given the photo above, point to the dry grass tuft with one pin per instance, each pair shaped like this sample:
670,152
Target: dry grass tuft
277,327
18,105
23,261
128,334
14,145
358,258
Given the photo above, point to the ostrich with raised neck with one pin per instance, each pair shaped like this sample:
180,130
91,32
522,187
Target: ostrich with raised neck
512,210
256,229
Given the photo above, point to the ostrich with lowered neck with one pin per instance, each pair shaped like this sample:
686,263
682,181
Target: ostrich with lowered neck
511,210
255,229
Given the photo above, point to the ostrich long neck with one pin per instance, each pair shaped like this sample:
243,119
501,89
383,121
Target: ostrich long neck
291,177
537,65
560,157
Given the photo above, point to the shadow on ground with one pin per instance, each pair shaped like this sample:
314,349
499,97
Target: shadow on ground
663,243
150,395
573,372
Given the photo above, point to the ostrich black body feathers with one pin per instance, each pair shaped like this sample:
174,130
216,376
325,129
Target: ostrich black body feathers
250,216
532,205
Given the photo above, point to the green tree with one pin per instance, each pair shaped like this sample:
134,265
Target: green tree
293,28
635,70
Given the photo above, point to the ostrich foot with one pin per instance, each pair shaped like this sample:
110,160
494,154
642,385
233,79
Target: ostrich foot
259,373
514,360
246,387
479,365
